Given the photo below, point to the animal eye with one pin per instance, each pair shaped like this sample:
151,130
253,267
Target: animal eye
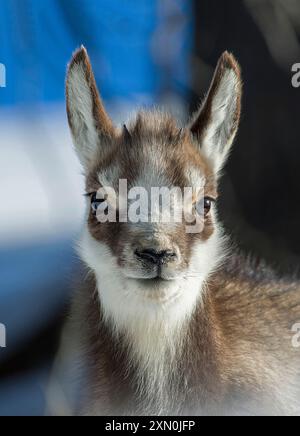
204,206
95,202
207,205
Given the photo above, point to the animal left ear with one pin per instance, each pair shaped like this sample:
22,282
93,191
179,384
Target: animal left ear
215,125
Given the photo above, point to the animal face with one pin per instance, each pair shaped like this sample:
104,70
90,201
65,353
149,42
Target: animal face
159,259
153,154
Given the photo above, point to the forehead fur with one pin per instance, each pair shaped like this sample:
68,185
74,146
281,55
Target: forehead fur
153,149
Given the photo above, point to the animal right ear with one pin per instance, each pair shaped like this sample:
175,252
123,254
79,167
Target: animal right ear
91,127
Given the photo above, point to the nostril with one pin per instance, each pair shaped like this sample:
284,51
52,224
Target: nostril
148,255
168,255
156,257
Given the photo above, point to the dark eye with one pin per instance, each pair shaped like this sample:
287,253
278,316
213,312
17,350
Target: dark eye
204,206
95,202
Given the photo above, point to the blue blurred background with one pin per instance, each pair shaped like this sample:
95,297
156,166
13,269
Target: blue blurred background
144,53
139,48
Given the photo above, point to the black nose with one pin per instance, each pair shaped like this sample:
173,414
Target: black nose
156,257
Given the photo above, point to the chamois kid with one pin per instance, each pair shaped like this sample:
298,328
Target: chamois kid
169,321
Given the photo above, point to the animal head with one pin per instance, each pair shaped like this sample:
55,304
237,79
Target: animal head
144,263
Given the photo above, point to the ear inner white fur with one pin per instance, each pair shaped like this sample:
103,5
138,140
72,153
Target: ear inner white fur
216,124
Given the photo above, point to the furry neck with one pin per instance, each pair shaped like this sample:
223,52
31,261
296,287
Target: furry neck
155,370
154,333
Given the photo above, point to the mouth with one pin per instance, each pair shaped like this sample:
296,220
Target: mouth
153,280
151,283
157,289
156,278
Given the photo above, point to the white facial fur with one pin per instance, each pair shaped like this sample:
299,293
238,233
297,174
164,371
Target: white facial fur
126,301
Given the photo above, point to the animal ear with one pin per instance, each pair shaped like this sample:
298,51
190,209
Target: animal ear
216,123
91,127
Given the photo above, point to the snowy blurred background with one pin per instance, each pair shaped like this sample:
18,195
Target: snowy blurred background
144,52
